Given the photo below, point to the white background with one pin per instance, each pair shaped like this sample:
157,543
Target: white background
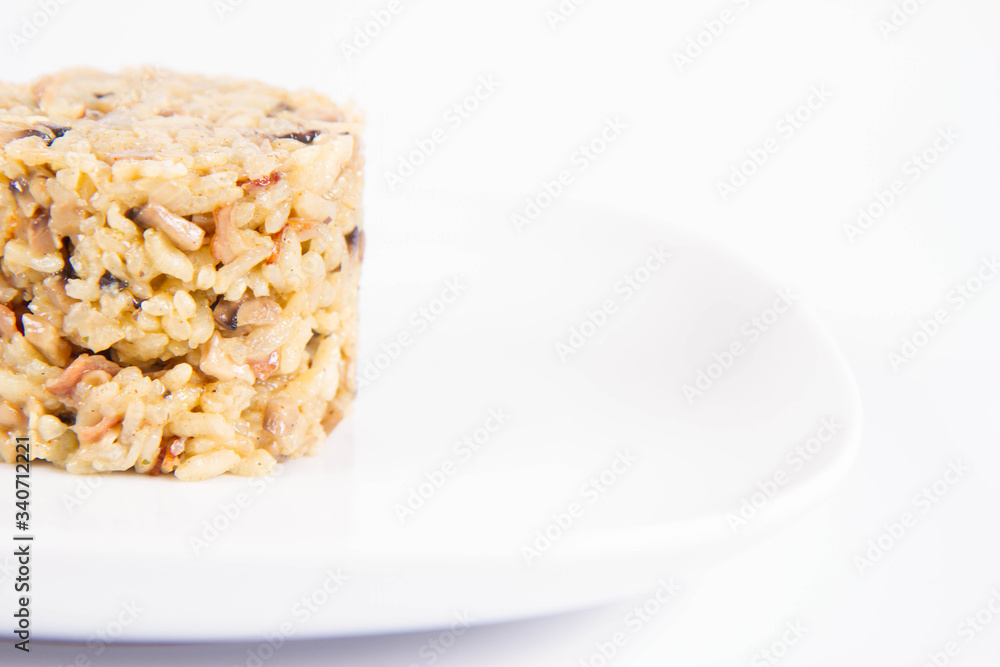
686,130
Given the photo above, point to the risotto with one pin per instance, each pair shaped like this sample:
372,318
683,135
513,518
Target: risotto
179,271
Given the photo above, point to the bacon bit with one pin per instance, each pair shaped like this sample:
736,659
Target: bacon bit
89,434
264,368
8,322
166,458
63,384
173,454
305,229
226,243
155,470
262,182
288,234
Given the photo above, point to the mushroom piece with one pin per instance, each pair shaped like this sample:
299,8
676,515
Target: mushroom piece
11,416
280,417
19,188
53,290
183,233
57,130
44,336
41,239
204,220
302,137
109,281
356,243
63,384
10,133
247,312
65,218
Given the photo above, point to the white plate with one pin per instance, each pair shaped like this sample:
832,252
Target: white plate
128,540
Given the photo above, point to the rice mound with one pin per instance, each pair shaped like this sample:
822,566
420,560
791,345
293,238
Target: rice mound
179,271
